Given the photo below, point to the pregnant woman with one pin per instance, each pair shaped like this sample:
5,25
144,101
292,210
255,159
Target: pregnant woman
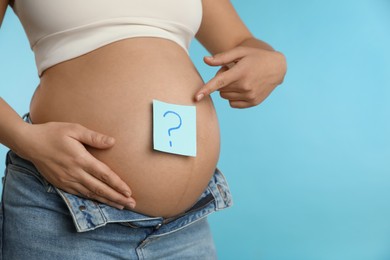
82,180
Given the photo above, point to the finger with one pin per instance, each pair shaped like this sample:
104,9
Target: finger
233,87
232,96
222,69
82,191
247,96
92,138
98,189
103,173
239,104
219,81
228,57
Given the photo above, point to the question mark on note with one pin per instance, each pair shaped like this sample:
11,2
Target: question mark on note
173,128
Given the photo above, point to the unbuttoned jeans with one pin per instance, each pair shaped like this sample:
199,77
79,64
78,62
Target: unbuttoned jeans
40,221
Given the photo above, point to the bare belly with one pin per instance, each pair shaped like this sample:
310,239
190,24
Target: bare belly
110,90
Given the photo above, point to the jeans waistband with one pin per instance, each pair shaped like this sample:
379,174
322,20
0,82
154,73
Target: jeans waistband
88,215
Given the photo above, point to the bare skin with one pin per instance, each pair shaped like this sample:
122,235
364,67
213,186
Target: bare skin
107,91
83,102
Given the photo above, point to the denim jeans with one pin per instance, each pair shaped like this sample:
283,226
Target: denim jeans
40,221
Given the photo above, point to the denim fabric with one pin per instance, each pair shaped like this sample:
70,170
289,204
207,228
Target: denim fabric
40,221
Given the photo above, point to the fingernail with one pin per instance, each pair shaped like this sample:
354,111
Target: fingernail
127,194
109,140
131,205
120,207
199,97
210,57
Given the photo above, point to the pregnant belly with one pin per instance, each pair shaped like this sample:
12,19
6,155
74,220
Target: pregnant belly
110,90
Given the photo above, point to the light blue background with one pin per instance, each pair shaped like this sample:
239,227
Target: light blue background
309,168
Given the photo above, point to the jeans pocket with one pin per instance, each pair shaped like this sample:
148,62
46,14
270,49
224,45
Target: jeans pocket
33,173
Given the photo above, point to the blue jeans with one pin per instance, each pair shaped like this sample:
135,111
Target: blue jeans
40,221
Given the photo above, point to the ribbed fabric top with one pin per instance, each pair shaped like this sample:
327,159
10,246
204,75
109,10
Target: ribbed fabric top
61,30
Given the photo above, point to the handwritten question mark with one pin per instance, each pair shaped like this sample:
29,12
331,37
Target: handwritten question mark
173,128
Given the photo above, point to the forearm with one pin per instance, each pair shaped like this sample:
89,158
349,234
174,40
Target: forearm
11,126
256,43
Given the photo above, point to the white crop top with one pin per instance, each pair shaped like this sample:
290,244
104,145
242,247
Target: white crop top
59,30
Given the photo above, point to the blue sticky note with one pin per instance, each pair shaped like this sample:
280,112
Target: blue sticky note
174,128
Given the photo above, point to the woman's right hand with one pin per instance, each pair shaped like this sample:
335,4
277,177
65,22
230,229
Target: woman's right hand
57,151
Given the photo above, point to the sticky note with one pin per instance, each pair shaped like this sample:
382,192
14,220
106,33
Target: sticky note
174,128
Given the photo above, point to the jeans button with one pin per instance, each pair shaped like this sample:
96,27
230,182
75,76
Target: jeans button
82,208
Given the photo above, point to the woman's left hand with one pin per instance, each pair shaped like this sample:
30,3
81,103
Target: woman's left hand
247,76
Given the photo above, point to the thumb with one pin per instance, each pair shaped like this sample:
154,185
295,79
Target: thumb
227,58
93,138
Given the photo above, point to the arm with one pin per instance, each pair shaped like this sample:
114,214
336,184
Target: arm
11,123
3,7
10,131
222,29
57,150
251,68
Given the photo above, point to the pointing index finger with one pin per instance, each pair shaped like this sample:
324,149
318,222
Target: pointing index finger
219,81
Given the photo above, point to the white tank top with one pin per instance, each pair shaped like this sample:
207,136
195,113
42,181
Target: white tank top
59,30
